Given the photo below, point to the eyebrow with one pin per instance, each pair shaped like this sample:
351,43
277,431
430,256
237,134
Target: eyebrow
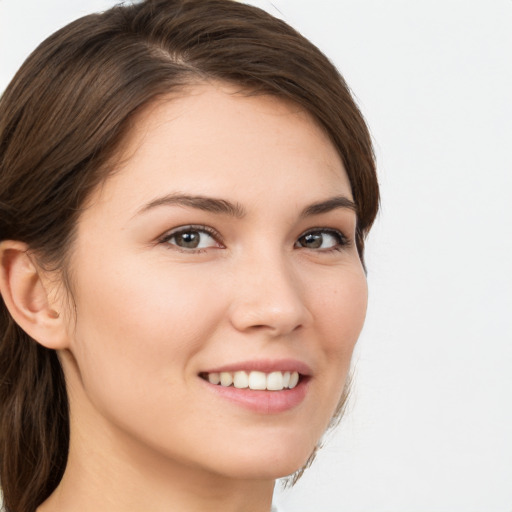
333,203
207,204
223,206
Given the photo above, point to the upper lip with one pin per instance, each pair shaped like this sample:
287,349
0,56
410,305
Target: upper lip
265,366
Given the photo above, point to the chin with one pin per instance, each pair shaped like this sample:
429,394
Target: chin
270,462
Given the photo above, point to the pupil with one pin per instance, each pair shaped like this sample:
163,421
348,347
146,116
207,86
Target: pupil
313,240
189,240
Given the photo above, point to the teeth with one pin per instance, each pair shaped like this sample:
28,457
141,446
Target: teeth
257,380
275,381
226,379
214,378
241,380
294,380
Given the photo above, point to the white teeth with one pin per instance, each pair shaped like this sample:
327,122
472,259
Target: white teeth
241,380
294,379
226,379
257,380
213,378
274,381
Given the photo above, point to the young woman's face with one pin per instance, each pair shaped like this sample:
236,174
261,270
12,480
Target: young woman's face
222,248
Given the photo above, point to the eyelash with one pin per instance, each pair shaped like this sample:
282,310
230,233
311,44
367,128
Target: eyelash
165,239
343,241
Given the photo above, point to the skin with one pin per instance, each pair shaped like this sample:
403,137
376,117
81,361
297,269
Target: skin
147,433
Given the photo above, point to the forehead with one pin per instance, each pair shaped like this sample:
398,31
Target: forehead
216,139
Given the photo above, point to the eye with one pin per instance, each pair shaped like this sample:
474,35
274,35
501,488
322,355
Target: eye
323,239
191,238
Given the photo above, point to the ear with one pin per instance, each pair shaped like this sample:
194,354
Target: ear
30,296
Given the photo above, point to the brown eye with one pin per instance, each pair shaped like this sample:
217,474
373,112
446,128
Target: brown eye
188,240
191,238
321,240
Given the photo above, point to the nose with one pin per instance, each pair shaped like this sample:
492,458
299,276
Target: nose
269,296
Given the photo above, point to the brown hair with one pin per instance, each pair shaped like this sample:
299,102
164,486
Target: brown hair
62,118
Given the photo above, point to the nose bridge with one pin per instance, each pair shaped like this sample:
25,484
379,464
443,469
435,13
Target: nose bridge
268,293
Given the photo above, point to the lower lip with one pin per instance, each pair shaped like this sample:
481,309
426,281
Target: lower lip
263,402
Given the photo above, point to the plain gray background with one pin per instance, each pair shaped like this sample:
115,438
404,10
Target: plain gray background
430,423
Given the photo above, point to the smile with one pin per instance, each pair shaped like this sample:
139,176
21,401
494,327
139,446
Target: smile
255,380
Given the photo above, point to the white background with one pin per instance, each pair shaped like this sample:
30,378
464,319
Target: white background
430,423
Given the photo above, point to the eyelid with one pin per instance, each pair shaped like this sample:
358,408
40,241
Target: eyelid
191,227
345,241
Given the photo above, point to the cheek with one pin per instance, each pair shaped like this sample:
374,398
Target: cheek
340,310
143,329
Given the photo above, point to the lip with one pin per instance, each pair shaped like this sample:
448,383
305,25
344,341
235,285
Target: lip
264,365
263,402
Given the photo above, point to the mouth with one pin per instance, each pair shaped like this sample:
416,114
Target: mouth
261,386
255,380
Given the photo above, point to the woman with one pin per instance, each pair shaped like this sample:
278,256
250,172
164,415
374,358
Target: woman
185,190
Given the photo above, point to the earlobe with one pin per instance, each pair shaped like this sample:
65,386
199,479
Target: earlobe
26,296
